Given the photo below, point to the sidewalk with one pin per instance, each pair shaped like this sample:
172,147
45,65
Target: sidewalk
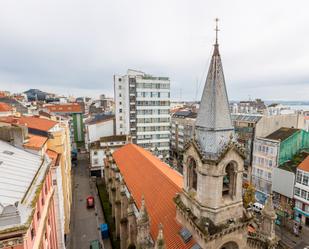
289,239
99,212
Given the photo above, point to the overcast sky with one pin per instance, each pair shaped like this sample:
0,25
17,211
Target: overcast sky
75,47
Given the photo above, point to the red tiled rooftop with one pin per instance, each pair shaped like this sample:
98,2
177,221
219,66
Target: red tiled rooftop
31,122
65,108
53,155
3,94
304,165
145,174
4,107
35,142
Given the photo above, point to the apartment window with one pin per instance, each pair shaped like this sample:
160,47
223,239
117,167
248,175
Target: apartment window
119,94
155,94
120,110
270,163
95,153
305,179
303,194
260,172
119,81
165,95
271,150
298,177
95,161
297,191
32,233
299,204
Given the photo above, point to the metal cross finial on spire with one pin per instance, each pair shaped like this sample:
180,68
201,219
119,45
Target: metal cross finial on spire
217,29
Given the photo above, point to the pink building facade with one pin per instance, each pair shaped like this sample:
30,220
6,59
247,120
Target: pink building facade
27,220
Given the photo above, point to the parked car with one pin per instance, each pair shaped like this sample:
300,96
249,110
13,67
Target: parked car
257,207
90,202
95,244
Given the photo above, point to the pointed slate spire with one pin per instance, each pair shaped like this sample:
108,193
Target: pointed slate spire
213,124
160,243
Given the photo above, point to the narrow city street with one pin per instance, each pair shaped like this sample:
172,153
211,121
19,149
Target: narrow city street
290,240
85,222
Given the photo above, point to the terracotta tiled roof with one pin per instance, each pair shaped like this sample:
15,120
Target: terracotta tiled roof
35,142
4,107
65,108
304,165
53,155
31,122
176,110
145,174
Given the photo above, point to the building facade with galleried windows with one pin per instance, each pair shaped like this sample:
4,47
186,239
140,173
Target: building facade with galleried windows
155,207
142,110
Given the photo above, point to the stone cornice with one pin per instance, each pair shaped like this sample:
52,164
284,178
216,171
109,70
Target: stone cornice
212,158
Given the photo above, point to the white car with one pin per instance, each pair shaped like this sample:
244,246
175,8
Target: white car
257,207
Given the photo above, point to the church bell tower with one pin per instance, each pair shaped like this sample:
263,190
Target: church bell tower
211,200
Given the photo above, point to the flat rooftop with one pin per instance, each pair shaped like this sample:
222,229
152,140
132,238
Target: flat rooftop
282,133
295,162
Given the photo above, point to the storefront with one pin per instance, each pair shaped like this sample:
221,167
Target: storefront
301,216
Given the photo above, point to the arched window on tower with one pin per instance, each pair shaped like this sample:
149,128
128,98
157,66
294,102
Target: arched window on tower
229,180
192,174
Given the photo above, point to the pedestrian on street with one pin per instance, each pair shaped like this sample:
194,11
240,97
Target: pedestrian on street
300,229
295,229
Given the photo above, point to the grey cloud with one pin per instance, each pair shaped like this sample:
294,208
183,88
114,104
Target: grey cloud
77,46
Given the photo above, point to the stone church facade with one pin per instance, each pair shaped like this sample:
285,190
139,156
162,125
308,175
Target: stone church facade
208,206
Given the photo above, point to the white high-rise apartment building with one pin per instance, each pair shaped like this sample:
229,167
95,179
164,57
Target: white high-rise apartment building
143,110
